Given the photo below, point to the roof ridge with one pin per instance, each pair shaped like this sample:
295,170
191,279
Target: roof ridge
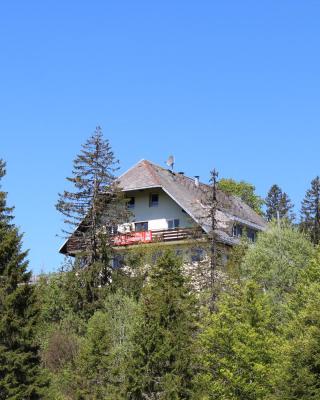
149,166
175,173
133,166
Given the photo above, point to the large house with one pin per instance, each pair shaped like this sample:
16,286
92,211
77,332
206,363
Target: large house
170,208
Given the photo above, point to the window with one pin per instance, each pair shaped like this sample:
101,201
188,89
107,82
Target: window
173,223
251,234
237,230
141,226
153,200
131,203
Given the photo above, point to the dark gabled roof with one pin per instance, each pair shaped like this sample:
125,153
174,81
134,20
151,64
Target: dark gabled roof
188,195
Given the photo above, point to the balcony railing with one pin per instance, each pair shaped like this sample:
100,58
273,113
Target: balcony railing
77,244
162,235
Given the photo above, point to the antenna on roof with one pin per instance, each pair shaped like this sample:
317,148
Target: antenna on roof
170,162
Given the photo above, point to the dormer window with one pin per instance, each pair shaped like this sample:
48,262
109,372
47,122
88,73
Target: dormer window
251,235
131,203
153,200
237,230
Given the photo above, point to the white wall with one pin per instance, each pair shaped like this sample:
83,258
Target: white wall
157,216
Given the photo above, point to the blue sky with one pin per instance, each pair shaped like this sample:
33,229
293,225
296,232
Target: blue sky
228,84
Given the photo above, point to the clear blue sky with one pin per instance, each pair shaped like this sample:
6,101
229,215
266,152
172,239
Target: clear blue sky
229,84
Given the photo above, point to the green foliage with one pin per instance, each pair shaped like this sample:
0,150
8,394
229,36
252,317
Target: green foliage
310,211
246,349
244,190
161,364
95,203
301,354
238,347
278,204
105,350
277,259
20,374
235,259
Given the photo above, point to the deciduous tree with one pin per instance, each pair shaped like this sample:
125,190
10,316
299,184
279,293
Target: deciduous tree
244,190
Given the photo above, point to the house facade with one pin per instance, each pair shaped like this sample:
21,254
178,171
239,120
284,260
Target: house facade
170,208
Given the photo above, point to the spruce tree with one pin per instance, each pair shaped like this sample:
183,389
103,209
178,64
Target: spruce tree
20,374
279,204
310,211
161,363
93,208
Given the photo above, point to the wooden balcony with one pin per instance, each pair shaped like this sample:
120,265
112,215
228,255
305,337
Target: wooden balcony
169,235
75,245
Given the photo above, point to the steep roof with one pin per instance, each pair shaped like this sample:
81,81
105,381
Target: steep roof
188,195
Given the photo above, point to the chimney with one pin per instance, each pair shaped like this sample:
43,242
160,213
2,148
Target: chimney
196,180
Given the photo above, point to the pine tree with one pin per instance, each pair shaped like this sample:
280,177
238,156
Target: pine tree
310,211
161,362
278,204
20,374
93,208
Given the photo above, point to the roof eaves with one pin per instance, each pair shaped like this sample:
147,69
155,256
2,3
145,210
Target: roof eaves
141,188
180,205
246,222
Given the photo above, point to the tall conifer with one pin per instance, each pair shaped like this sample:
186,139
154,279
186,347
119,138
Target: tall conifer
20,375
161,363
92,208
310,211
278,204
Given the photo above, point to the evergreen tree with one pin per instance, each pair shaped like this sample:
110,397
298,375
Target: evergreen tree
238,347
279,204
210,203
161,363
93,208
20,374
301,355
310,211
243,349
106,348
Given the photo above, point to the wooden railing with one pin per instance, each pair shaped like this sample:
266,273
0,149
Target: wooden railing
76,244
168,235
